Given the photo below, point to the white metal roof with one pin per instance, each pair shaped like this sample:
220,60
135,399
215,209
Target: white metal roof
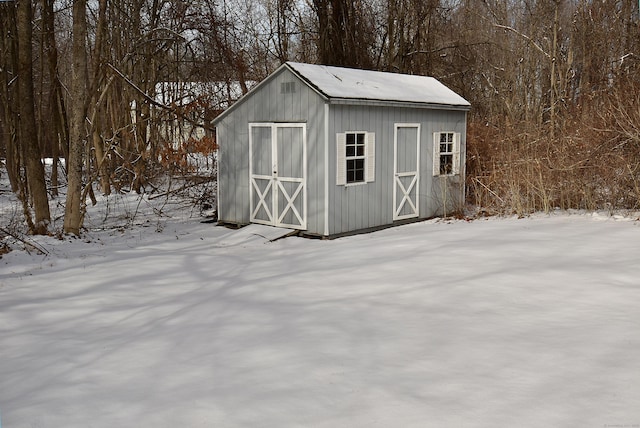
348,83
376,87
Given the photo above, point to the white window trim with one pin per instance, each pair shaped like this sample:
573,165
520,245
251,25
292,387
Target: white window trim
456,164
369,158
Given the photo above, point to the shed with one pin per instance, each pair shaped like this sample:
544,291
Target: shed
330,150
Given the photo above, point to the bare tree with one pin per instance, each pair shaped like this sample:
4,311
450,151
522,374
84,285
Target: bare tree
345,33
77,133
27,130
57,133
8,92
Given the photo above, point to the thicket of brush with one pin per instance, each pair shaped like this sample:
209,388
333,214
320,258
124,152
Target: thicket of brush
589,160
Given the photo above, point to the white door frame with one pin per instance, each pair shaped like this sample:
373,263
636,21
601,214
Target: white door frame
276,218
397,178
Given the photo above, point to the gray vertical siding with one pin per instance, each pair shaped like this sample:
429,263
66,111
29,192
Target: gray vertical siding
267,104
369,205
443,195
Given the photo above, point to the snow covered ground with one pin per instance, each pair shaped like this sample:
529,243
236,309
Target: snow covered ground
175,323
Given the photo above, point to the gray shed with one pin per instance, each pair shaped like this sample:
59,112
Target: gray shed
332,150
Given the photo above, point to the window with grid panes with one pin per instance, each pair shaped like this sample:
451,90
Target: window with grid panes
355,157
446,151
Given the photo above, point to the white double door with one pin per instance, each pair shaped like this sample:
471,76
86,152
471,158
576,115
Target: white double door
277,174
406,177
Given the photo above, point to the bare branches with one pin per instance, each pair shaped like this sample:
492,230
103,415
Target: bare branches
527,38
151,100
28,244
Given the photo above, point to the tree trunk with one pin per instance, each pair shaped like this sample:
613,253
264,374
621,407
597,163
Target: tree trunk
8,95
554,60
77,135
27,131
98,86
58,131
283,11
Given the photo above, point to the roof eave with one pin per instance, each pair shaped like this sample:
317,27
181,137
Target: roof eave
394,103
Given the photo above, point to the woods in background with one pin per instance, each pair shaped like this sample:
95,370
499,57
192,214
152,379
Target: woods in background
554,85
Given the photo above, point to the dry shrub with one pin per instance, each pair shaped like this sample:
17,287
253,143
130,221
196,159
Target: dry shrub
175,157
592,163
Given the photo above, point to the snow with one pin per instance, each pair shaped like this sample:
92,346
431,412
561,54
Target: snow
338,82
174,323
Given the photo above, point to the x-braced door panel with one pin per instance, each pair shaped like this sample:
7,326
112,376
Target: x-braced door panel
406,167
278,194
262,164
